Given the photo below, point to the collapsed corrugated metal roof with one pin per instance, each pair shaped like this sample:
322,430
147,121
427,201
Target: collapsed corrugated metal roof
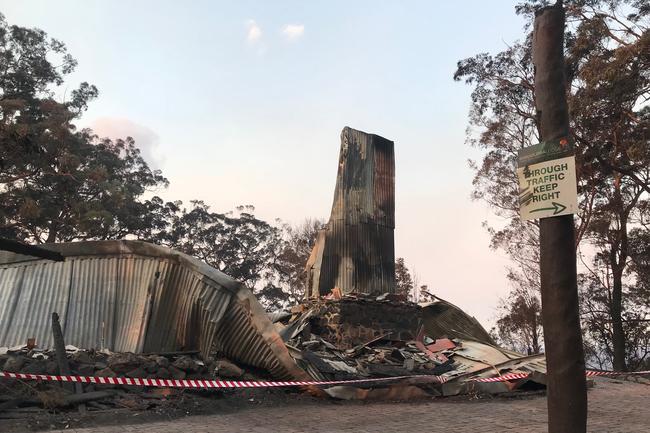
131,296
442,318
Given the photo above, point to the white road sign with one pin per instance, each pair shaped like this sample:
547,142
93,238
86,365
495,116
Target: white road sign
548,188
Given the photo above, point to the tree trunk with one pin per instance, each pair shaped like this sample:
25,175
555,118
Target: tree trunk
618,334
536,348
567,394
51,234
617,262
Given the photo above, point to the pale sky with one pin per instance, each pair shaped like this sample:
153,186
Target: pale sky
243,102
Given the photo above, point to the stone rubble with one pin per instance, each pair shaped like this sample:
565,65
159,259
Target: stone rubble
18,395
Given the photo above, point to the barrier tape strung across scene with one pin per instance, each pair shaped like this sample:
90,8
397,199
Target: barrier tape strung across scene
201,383
198,383
502,378
591,373
588,373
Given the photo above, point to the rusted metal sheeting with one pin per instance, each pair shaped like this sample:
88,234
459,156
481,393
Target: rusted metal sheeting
248,336
460,381
130,296
443,319
358,257
29,294
356,251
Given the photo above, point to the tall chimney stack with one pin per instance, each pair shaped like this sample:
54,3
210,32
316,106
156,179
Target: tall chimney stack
356,250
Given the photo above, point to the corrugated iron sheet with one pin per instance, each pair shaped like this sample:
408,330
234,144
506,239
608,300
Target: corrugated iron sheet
92,299
358,258
459,380
33,291
365,181
138,279
130,296
356,252
443,319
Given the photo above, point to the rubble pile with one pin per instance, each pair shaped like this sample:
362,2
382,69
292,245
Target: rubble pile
173,365
356,319
20,396
363,336
358,336
422,350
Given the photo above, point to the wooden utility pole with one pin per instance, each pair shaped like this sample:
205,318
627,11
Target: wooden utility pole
567,393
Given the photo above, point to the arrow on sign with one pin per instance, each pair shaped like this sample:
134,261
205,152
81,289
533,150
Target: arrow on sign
557,208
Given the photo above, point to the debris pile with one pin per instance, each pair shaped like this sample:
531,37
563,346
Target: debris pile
24,397
355,319
363,336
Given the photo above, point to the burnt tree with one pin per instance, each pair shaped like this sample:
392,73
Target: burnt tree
356,250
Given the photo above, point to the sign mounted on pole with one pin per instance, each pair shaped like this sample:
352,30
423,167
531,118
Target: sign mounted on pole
547,180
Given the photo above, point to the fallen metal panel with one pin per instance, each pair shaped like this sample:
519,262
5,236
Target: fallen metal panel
524,364
247,335
460,381
472,356
480,352
443,319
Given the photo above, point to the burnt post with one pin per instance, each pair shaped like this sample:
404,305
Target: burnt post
567,395
59,351
356,250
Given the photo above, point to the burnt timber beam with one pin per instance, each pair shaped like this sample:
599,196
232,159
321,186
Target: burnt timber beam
29,250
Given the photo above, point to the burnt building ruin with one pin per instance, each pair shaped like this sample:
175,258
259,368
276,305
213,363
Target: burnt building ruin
355,252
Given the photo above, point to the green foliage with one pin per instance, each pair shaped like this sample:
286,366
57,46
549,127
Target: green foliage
238,244
57,183
607,62
403,279
298,242
640,266
520,323
407,283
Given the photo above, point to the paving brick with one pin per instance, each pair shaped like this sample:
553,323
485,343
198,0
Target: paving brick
613,407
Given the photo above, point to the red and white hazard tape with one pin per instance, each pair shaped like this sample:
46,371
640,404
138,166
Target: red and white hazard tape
502,378
200,383
588,373
193,383
591,373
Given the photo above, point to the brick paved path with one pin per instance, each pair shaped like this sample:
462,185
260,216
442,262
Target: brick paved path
613,407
